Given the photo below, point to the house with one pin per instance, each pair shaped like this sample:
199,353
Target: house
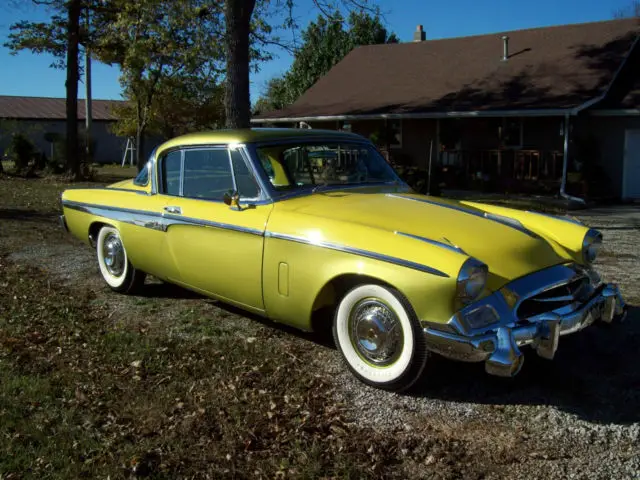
42,119
553,109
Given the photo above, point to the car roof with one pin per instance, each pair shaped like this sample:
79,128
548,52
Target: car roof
253,135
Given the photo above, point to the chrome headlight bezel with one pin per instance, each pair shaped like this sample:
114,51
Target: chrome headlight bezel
471,280
591,244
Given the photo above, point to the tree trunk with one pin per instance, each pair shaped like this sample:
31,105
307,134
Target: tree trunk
237,102
140,159
73,38
141,125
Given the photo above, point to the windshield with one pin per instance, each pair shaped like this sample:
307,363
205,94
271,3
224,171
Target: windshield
311,165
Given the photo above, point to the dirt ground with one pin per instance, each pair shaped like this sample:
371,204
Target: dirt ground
577,416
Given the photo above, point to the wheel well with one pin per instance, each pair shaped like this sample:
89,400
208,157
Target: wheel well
94,229
327,299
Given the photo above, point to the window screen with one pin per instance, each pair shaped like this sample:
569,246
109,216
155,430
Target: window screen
245,181
207,174
171,173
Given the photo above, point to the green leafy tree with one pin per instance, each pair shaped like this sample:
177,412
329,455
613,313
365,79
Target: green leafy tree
156,43
275,97
630,11
325,42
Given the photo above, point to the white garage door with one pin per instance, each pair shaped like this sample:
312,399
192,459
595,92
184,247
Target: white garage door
631,178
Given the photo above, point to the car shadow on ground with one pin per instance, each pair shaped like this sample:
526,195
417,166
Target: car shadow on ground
158,289
594,375
25,215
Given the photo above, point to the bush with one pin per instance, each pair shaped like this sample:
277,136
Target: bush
21,151
60,148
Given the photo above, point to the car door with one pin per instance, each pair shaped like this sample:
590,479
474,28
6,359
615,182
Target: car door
217,249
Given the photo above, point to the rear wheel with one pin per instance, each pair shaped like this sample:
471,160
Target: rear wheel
379,337
114,264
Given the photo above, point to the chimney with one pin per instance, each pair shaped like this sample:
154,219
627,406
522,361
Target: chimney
419,35
505,48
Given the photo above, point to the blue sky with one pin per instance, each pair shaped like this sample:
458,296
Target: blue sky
27,74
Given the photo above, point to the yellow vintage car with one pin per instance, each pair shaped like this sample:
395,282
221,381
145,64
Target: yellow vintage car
292,223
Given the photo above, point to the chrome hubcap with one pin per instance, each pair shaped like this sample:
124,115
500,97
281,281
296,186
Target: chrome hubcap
113,254
375,332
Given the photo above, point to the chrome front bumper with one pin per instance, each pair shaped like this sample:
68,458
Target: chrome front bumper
499,347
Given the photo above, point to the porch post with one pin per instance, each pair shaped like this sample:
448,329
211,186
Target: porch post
437,140
565,163
565,156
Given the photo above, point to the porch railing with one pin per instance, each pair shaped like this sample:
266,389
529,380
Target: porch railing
502,166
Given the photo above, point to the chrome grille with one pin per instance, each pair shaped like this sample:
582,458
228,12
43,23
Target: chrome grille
575,290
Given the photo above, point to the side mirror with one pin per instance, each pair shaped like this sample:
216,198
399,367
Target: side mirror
232,198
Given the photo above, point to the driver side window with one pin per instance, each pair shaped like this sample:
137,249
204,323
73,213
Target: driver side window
207,173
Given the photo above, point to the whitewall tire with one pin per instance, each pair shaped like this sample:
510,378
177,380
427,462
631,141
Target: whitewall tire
379,337
115,267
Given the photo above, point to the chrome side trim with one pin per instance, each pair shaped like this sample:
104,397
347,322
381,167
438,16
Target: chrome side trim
179,219
357,251
158,221
152,220
116,189
448,246
486,215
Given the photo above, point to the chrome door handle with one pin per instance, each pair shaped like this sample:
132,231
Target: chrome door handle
172,209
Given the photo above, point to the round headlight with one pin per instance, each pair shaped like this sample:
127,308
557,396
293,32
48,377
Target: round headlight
471,280
591,245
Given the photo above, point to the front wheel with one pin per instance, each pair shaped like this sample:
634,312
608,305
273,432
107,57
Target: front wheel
379,337
114,264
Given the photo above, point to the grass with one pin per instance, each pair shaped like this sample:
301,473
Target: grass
94,384
81,396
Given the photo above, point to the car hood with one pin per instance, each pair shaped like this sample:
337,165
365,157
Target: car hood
509,250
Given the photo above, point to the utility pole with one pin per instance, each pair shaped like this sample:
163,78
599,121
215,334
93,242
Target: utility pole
87,81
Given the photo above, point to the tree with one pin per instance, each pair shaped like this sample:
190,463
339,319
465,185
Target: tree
71,85
241,28
275,97
156,42
630,11
325,42
60,38
237,15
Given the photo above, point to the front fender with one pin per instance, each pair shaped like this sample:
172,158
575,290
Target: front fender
564,234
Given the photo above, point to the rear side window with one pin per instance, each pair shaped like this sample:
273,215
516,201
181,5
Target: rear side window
207,174
246,183
171,173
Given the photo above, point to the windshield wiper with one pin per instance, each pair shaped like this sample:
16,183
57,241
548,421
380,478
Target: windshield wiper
320,186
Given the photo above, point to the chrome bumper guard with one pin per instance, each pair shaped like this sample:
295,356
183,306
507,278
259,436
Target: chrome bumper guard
499,348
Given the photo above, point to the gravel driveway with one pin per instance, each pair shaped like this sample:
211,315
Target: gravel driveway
577,416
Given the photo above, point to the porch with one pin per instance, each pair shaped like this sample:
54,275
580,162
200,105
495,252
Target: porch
490,154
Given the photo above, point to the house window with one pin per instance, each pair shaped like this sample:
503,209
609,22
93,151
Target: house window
511,132
395,131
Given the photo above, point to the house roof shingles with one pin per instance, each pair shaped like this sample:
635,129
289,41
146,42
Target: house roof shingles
44,108
556,67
